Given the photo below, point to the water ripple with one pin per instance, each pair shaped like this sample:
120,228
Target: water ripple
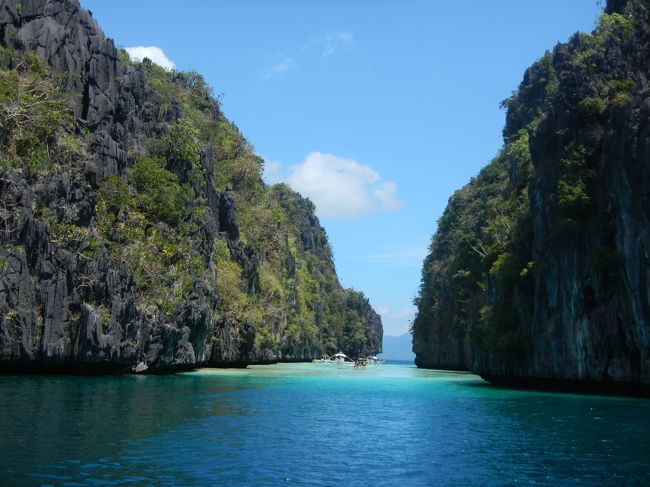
312,425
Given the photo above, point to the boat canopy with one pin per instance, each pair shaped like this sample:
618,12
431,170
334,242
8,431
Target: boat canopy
341,355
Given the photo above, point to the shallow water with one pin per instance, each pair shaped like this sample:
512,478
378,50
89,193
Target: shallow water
313,424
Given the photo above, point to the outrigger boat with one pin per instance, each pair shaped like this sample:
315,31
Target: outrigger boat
338,359
342,359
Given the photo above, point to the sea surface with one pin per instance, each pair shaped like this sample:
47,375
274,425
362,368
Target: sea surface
315,425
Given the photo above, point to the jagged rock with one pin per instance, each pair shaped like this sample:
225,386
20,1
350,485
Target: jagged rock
231,344
140,368
91,343
228,215
17,292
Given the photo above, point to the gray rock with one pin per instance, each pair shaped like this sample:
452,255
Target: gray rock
62,304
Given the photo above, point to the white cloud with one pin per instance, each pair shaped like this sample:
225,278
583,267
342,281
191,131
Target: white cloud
272,172
405,313
327,45
337,41
341,188
154,53
397,322
382,309
279,69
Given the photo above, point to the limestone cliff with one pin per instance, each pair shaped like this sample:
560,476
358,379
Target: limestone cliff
136,233
538,272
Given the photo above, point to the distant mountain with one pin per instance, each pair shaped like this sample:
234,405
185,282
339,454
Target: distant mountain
397,347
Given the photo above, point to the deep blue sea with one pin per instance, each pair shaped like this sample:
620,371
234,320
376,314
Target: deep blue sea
315,425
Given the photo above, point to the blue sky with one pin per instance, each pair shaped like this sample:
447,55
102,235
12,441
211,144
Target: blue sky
377,110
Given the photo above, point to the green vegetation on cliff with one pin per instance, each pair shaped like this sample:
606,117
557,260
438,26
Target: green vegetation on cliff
137,229
35,120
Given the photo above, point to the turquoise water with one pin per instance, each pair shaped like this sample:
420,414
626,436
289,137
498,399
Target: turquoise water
311,424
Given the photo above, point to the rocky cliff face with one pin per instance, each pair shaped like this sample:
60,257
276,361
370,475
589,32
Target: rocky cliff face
537,274
136,233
